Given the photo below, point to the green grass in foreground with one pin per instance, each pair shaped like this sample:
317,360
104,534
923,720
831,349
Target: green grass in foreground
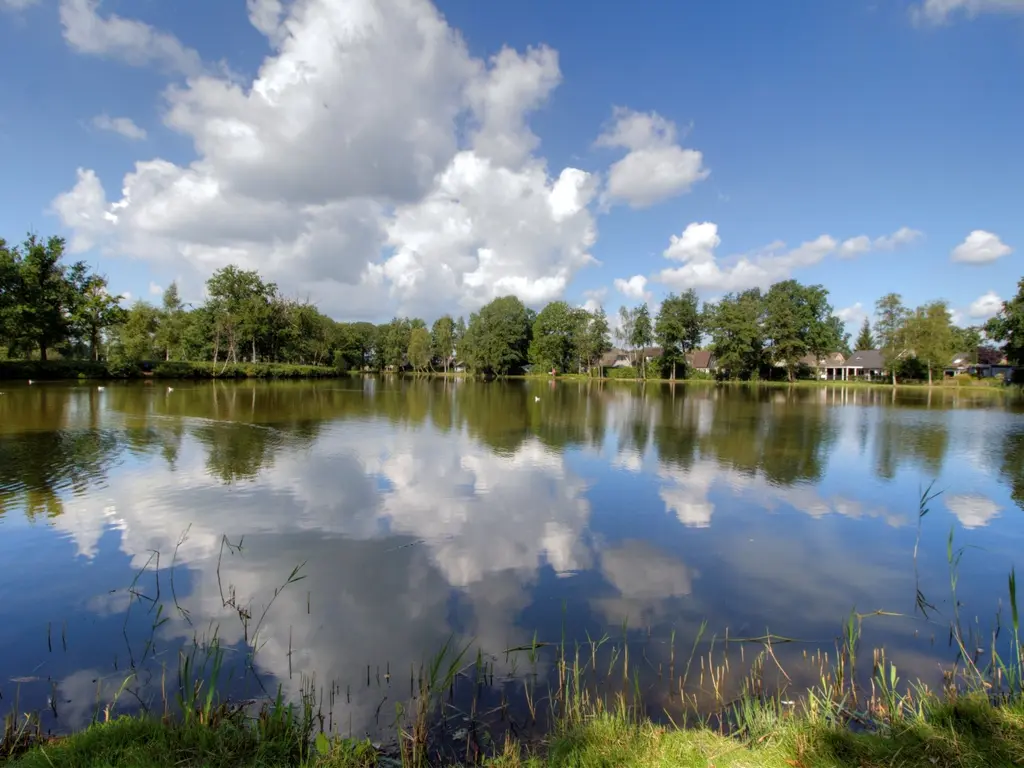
967,733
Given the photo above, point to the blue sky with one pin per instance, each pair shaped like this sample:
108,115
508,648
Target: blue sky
409,157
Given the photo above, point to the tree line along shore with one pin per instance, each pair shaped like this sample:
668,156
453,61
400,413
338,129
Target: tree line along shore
58,320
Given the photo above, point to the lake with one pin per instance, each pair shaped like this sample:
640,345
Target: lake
138,522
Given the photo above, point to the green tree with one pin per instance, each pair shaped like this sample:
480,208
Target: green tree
172,324
442,340
627,324
891,330
136,336
784,325
1008,327
239,304
45,300
678,327
394,342
798,321
930,334
594,340
498,336
643,335
96,311
967,340
864,339
419,348
734,325
825,333
9,291
554,337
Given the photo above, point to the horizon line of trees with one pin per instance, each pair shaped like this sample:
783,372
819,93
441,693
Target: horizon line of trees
47,305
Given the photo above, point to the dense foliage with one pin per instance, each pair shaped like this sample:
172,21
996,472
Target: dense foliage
48,306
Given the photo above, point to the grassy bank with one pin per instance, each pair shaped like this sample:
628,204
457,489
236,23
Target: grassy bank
969,732
65,370
72,370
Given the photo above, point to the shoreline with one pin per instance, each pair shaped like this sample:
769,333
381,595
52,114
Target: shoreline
82,370
893,724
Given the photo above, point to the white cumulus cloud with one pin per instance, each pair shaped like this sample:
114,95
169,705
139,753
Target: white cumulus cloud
852,315
981,247
855,246
372,164
985,306
703,270
939,11
127,40
16,5
634,287
122,125
656,167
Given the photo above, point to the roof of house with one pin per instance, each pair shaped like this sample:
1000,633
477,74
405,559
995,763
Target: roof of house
961,358
865,358
701,358
609,357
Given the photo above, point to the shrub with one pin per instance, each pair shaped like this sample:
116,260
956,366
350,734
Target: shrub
210,370
629,372
694,375
52,370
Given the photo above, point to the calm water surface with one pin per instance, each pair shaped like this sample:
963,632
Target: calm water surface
422,509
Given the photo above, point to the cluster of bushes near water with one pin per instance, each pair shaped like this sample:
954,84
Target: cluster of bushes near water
57,370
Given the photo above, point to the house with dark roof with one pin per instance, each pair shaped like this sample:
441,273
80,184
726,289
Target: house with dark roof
822,365
620,358
862,364
963,362
702,360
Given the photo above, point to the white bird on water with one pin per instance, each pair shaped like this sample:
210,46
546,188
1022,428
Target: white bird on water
170,389
100,389
536,399
31,382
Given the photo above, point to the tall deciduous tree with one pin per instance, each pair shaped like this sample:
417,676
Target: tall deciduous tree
136,336
734,324
678,327
864,339
798,320
394,342
96,311
442,339
45,299
968,341
595,338
930,334
239,306
419,348
891,329
554,337
9,284
627,324
498,336
643,335
172,324
1008,327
